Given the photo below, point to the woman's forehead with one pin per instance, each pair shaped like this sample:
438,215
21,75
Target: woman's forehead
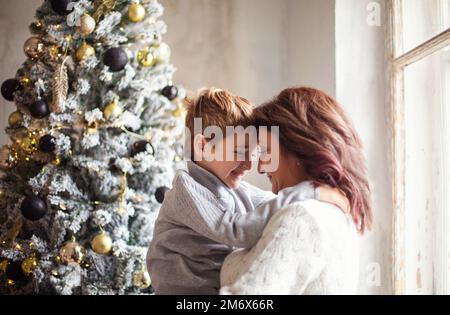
265,138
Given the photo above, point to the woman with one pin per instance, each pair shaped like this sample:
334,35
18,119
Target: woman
307,247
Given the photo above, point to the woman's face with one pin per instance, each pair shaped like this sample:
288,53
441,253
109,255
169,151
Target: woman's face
282,168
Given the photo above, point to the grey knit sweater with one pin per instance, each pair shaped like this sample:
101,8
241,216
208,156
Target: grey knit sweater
201,221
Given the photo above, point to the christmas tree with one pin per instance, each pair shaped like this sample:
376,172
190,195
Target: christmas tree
94,144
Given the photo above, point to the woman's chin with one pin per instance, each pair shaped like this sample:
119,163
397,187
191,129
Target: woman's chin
275,188
274,185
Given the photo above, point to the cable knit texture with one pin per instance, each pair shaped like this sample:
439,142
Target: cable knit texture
308,247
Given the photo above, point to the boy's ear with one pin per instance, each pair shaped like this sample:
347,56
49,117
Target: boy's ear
199,145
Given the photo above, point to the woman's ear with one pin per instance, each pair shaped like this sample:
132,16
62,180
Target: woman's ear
199,145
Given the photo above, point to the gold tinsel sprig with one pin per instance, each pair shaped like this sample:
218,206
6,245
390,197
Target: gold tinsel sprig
9,238
102,8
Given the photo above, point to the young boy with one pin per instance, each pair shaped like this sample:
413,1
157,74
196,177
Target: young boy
209,212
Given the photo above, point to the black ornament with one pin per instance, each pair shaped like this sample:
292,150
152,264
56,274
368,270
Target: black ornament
39,109
33,208
170,91
14,271
9,87
61,6
148,290
47,144
160,192
115,58
140,146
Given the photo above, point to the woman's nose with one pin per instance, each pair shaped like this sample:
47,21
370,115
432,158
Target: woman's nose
247,164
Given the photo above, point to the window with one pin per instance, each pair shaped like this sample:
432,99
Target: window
420,112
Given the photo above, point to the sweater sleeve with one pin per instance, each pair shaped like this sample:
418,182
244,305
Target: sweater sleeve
257,195
287,258
211,219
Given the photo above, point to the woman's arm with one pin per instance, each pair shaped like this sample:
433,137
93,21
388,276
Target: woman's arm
287,258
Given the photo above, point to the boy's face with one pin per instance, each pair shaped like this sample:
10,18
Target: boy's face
229,159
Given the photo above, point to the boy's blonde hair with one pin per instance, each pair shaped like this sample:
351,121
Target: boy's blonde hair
219,108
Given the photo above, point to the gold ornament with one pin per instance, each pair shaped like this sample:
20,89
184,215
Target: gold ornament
15,119
136,12
84,52
25,81
71,253
29,264
29,144
145,57
102,243
112,110
162,53
141,279
87,25
33,47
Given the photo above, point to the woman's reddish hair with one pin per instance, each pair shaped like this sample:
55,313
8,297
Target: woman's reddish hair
314,127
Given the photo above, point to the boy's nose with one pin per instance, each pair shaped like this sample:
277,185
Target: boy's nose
261,167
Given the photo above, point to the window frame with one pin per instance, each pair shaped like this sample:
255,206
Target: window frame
399,60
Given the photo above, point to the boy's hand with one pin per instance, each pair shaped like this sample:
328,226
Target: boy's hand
335,197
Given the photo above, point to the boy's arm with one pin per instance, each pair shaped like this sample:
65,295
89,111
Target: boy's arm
211,219
323,193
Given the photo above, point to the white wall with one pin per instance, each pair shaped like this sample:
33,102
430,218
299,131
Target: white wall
253,47
361,81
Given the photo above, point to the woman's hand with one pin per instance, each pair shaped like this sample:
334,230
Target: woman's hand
335,197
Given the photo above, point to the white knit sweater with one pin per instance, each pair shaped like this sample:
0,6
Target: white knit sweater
308,247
